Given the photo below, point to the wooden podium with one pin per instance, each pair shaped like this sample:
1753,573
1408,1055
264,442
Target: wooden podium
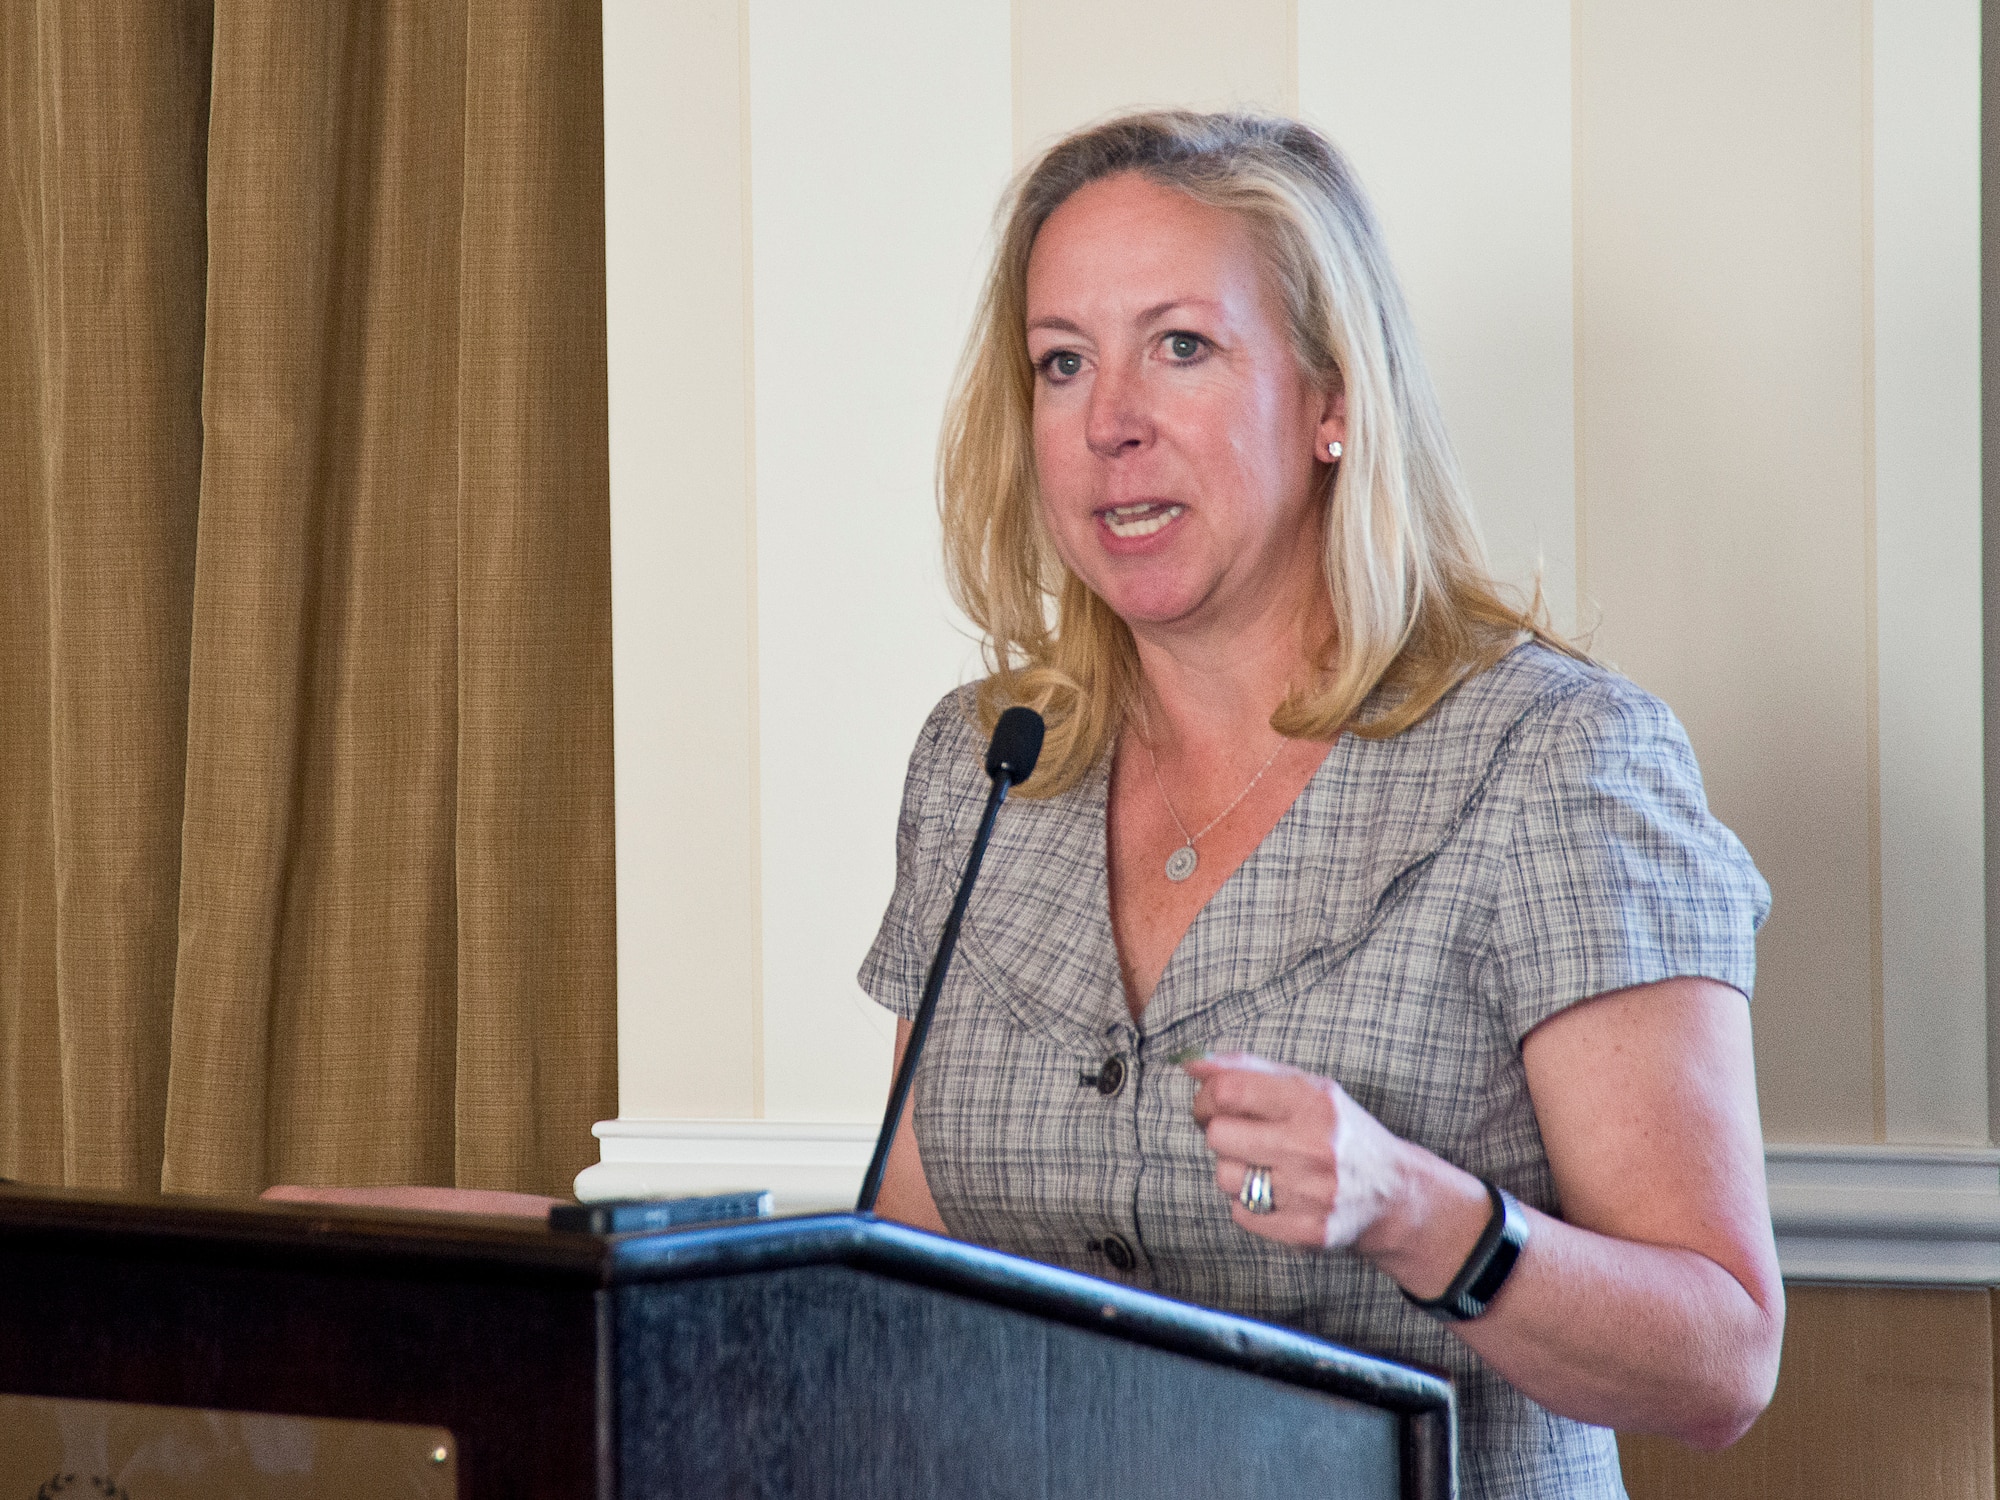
831,1356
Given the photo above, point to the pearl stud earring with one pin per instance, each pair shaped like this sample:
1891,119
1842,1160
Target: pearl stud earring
1332,451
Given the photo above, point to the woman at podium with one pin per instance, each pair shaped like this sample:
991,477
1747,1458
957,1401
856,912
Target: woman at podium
1361,956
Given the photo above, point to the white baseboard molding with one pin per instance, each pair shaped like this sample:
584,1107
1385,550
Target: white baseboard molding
808,1166
1909,1215
1896,1215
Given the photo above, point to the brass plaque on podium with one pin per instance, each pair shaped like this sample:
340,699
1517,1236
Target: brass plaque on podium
107,1450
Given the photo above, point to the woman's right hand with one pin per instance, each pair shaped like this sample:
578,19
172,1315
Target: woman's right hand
1339,1177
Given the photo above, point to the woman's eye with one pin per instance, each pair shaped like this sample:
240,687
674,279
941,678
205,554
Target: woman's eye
1062,364
1184,346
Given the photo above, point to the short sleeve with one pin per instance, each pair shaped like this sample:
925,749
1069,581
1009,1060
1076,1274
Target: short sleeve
1616,874
893,972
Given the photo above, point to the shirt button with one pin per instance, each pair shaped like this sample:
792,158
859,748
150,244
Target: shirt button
1111,1077
1115,1250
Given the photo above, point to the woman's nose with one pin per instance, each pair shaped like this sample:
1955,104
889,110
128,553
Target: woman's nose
1118,421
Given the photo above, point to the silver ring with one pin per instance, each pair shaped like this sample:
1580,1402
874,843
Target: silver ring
1255,1194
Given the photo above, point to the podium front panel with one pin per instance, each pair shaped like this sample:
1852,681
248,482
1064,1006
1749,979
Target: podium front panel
827,1357
829,1383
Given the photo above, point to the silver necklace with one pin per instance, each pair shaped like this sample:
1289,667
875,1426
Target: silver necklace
1181,863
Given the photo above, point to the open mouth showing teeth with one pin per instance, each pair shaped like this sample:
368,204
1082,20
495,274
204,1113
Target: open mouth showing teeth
1138,520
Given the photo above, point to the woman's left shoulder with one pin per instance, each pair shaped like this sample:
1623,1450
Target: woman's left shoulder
1554,703
1617,873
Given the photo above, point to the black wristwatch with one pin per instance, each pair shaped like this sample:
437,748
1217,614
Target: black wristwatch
1485,1270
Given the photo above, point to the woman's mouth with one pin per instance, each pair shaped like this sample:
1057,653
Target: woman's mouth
1130,522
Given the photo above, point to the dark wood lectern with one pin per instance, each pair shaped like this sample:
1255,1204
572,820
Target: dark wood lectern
833,1356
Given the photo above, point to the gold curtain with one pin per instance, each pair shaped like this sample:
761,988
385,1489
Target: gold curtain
305,704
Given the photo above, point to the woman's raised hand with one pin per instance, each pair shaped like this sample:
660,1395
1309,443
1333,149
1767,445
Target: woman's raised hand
1336,1171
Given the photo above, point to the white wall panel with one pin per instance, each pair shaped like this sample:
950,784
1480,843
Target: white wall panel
1722,210
681,570
1457,115
1078,60
881,137
1927,568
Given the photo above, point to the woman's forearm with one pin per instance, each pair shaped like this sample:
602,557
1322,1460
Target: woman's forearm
1655,1303
1639,1337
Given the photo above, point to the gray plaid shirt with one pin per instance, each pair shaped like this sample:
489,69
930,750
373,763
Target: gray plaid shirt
1540,838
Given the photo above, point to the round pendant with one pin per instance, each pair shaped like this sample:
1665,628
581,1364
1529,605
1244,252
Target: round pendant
1181,863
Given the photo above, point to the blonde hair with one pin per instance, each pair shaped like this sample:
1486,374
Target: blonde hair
1415,608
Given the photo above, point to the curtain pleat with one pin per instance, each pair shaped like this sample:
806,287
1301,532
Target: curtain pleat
31,1095
106,115
308,848
535,901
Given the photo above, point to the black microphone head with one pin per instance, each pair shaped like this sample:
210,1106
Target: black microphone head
1016,745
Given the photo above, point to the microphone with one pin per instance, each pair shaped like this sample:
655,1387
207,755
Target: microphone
1010,760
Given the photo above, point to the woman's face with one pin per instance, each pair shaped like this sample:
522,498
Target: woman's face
1180,448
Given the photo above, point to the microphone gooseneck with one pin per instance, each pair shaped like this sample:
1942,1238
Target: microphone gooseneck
1010,760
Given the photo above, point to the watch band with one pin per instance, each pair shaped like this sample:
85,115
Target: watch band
1485,1270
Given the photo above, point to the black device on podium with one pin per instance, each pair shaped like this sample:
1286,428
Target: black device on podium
829,1356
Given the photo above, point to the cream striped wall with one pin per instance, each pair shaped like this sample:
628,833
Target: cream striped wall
1700,284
